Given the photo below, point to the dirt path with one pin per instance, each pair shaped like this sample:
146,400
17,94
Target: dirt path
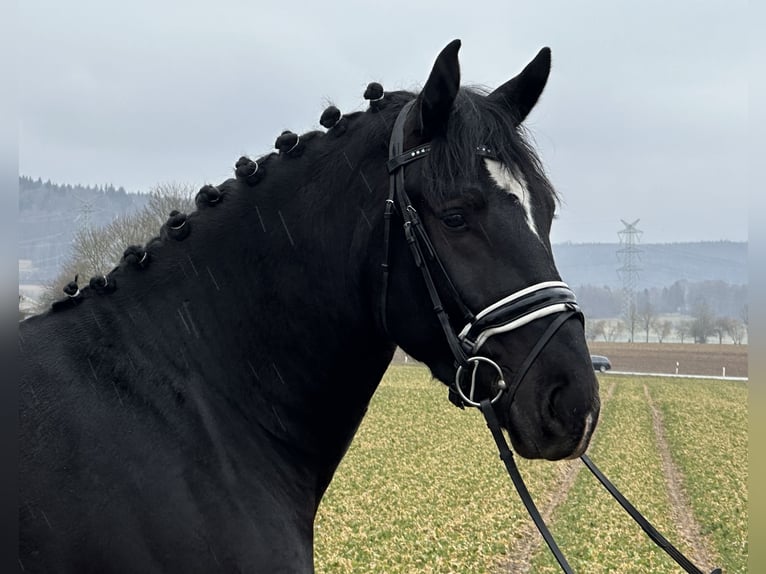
700,549
529,541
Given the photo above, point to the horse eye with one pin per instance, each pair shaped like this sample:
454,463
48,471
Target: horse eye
454,220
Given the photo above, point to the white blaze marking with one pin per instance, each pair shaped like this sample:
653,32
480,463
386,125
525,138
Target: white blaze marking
586,432
506,181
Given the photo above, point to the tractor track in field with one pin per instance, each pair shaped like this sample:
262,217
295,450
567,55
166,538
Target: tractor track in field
700,548
519,557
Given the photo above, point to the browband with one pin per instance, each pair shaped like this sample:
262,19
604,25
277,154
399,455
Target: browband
408,156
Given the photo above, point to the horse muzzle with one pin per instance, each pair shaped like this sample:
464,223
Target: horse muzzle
557,407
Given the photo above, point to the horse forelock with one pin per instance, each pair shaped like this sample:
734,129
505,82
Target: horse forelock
476,122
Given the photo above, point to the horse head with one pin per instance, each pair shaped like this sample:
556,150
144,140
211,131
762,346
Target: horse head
487,307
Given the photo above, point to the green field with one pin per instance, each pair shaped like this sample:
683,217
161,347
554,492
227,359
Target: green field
422,489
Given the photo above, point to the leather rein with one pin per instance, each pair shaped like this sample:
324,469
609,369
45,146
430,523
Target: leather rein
509,313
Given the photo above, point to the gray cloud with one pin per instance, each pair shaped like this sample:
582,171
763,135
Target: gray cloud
645,115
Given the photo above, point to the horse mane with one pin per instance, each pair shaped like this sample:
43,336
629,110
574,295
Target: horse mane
475,121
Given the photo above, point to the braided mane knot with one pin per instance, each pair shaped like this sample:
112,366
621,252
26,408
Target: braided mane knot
73,296
136,255
249,170
71,289
207,195
102,284
289,143
177,227
374,93
333,120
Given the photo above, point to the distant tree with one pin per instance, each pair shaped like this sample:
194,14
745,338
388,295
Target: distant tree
737,330
597,301
674,297
646,316
721,327
594,329
100,249
702,324
662,328
97,250
683,329
613,330
630,320
723,299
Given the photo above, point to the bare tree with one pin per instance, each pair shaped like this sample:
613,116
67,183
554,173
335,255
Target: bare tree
164,198
662,329
702,323
630,321
720,328
683,329
646,316
95,251
613,330
594,329
736,330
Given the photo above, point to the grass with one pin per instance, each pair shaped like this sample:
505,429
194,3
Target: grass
708,437
422,489
598,535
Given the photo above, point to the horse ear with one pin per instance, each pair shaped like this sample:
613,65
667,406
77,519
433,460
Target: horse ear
440,91
521,93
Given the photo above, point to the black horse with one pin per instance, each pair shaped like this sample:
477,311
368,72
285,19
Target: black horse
186,412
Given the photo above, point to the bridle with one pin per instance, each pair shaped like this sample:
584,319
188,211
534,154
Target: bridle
509,313
548,298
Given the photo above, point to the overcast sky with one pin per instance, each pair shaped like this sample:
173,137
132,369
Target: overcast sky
644,116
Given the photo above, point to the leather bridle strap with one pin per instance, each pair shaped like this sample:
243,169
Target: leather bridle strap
646,526
420,245
506,455
550,330
510,464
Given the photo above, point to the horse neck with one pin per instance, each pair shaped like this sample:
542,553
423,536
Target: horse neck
318,349
269,305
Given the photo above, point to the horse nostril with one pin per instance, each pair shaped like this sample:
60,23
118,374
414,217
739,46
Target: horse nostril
565,406
552,403
557,401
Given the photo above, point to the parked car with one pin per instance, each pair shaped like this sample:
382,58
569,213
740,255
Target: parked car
600,363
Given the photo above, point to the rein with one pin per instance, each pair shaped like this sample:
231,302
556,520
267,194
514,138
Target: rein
509,313
506,455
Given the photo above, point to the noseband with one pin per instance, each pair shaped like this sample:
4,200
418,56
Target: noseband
509,313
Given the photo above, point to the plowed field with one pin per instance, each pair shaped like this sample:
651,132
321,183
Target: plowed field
709,359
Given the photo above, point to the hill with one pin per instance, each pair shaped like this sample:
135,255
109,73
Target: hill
662,264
